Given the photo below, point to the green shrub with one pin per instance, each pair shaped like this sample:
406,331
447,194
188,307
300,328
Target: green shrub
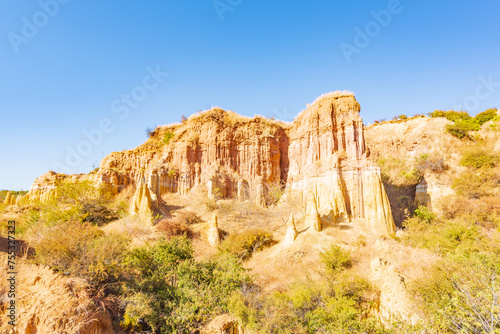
166,138
311,307
478,158
172,293
461,128
423,213
442,236
486,116
459,294
451,115
336,259
243,245
98,214
463,123
399,171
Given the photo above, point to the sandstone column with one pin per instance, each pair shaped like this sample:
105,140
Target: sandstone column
291,231
313,219
213,232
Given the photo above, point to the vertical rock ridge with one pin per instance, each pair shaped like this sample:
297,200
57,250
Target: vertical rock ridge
323,151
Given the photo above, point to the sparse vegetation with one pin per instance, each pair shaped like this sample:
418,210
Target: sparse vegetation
463,122
243,245
336,259
167,136
172,293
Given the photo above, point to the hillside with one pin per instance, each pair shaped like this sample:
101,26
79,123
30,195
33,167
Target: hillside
315,226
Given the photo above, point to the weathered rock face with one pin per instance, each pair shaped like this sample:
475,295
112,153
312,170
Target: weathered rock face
142,203
213,236
223,324
322,152
328,157
313,219
291,231
45,186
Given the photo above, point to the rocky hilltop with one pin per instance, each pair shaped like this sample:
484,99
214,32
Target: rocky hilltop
321,156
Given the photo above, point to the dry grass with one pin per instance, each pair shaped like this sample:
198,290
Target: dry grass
173,227
50,303
132,227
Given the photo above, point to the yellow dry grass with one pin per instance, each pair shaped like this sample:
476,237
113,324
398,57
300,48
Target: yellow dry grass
50,303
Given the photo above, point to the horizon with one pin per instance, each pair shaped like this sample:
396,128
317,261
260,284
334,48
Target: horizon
102,73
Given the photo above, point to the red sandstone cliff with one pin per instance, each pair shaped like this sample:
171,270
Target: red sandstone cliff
322,153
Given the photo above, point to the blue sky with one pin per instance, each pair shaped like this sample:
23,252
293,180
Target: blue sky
67,67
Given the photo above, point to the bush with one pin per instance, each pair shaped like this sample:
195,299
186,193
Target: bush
310,307
166,138
460,294
243,245
399,171
98,214
478,158
151,132
442,236
423,213
85,251
463,122
336,259
461,128
486,116
172,227
172,293
451,115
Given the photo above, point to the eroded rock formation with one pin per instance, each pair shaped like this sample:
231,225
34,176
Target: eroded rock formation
313,219
213,236
322,151
291,231
142,203
223,324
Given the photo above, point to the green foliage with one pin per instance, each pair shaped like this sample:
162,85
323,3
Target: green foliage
460,293
424,214
478,158
243,245
167,136
451,115
311,307
336,259
172,293
443,236
399,171
3,193
486,116
463,123
462,127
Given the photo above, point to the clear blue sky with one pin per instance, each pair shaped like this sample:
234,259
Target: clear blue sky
66,70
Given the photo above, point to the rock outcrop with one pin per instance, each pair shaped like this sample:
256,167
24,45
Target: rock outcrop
142,204
213,236
223,324
323,151
291,231
47,302
313,219
9,199
395,300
